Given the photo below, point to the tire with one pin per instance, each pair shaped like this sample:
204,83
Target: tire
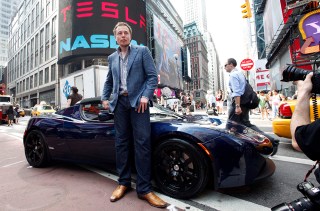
180,169
36,150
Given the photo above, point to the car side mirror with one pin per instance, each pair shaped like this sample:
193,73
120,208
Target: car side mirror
105,116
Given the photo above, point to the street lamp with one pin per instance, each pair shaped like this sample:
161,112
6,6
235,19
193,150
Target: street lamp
176,56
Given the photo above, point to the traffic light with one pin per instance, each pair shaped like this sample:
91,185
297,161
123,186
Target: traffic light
246,10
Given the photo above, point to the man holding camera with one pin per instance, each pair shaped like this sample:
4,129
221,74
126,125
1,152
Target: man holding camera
305,135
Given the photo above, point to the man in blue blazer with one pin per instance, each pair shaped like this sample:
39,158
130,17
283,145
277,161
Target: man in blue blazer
130,83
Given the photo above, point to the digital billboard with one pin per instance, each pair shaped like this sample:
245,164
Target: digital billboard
85,27
167,55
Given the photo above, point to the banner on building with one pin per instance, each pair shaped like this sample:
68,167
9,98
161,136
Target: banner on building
262,75
309,27
167,55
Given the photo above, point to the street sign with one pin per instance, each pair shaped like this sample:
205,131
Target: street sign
246,64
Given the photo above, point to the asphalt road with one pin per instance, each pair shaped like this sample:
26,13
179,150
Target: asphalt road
71,187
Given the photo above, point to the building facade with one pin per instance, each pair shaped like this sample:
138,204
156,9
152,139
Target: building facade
284,40
194,40
7,11
35,47
195,11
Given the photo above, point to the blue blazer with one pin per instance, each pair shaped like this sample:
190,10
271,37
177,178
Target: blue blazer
141,80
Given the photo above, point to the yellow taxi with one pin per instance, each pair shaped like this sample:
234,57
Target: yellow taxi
281,125
21,112
42,109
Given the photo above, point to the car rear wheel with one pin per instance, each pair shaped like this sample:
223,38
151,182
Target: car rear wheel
180,169
35,150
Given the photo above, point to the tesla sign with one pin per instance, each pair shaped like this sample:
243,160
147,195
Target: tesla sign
85,27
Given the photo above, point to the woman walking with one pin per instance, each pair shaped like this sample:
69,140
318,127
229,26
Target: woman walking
262,105
10,114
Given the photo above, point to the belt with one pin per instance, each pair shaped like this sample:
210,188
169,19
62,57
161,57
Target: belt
124,94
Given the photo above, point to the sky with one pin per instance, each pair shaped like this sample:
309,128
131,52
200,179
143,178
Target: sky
226,25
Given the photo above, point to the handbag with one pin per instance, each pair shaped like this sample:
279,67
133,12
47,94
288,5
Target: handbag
249,99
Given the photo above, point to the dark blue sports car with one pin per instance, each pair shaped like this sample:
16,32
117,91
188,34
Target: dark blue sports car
189,152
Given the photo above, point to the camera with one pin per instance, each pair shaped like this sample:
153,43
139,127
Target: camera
292,73
310,201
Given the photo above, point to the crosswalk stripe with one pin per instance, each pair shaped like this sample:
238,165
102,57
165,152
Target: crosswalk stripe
293,160
225,202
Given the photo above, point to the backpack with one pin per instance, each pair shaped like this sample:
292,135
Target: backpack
249,99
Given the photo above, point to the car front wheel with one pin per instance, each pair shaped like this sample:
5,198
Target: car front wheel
36,150
180,169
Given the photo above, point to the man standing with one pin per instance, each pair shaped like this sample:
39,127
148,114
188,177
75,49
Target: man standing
236,111
237,83
130,83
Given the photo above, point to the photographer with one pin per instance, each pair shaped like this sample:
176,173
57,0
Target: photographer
305,135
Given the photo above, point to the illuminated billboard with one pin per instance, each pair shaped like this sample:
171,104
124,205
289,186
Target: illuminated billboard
167,55
85,27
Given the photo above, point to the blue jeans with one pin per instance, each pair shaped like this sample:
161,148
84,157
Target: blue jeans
133,135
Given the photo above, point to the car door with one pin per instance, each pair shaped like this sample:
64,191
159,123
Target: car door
89,139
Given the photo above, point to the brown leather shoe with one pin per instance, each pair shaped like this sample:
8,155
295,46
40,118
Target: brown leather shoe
153,200
118,193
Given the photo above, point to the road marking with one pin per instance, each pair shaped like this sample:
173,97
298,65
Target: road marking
224,202
7,159
12,164
293,160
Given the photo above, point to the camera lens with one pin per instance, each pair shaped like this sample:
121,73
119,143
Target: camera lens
296,205
292,73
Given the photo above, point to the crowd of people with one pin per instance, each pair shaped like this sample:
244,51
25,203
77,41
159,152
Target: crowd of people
270,103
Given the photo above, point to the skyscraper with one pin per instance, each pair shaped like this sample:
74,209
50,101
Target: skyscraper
195,11
8,9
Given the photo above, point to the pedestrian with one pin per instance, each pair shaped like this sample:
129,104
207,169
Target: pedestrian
74,97
219,99
127,92
262,105
10,113
16,113
275,102
236,111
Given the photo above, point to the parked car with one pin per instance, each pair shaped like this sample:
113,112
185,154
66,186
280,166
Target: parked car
281,125
189,152
42,109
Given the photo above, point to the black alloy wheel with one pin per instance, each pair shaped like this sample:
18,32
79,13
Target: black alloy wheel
35,149
180,169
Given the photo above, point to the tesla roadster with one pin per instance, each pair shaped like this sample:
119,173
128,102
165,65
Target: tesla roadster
189,152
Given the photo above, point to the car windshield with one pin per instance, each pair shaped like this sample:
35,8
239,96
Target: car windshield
157,110
46,107
4,99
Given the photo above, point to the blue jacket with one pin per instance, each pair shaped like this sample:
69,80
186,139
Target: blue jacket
141,80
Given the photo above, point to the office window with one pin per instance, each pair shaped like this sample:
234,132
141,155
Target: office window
42,12
32,54
37,15
46,75
36,50
40,77
32,20
31,82
53,72
47,41
27,84
53,30
41,45
35,80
